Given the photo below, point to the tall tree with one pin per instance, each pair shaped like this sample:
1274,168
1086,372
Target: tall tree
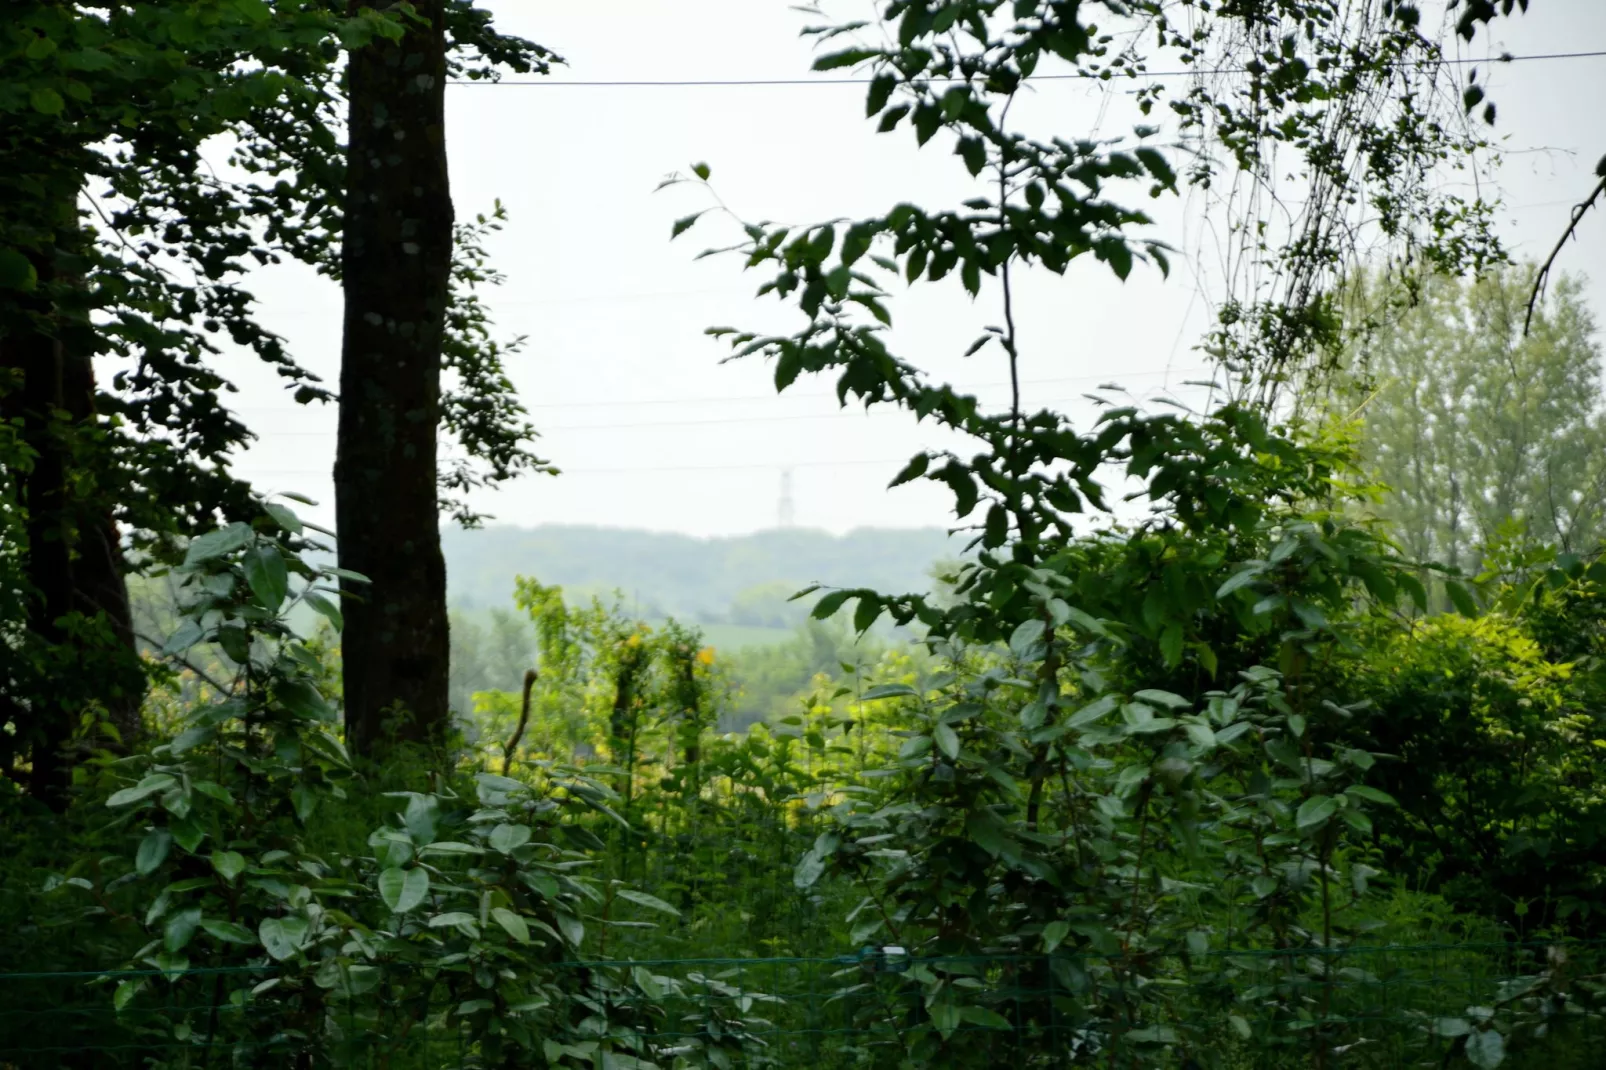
396,268
412,314
119,239
1476,422
106,106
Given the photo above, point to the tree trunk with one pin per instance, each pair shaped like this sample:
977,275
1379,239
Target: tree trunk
99,578
73,559
396,264
34,359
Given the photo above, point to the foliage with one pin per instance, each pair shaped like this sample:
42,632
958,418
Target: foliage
1156,792
479,408
1475,424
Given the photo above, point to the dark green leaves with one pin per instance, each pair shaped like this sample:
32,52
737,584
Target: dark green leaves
881,87
1461,598
911,471
685,223
46,101
17,271
267,575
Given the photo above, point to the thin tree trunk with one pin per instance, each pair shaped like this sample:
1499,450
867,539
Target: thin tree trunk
34,360
99,579
396,265
73,560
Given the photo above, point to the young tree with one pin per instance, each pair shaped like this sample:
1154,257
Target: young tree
1474,424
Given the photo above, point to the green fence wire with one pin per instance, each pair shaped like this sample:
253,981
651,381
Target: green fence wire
1368,1008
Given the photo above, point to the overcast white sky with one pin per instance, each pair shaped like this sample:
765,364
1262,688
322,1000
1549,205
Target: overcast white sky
633,404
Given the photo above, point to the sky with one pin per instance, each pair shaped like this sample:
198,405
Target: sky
649,426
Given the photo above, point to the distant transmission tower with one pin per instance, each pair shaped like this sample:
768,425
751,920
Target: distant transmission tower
786,510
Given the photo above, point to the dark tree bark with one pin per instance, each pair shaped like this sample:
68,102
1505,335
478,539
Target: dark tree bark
34,360
73,559
396,265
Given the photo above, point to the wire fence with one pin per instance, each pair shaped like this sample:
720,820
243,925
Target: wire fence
1370,1008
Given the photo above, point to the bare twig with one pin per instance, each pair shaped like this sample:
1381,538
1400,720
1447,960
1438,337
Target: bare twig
524,719
1579,209
187,663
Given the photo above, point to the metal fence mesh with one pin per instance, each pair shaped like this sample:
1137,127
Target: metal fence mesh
1374,1007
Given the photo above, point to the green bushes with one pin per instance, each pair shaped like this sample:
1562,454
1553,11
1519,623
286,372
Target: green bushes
1167,797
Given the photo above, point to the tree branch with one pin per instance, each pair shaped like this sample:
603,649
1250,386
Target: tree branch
1577,217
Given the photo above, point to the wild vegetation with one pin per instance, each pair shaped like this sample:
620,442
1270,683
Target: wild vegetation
1274,766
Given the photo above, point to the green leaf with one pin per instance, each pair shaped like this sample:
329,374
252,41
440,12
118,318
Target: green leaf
947,741
215,544
506,838
228,931
512,924
191,738
573,930
145,788
987,831
284,516
651,902
282,937
913,470
229,864
945,1019
849,57
867,612
828,604
1461,598
1093,711
1242,578
330,611
450,918
1171,644
1315,811
1054,934
46,101
1027,633
1361,791
126,991
451,847
973,150
1413,588
268,576
403,889
889,691
301,698
17,272
701,170
808,870
152,851
1486,1049
987,1019
881,87
180,929
1168,699
685,223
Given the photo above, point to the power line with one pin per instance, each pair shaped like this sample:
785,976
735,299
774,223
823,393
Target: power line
633,425
627,470
665,83
735,399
